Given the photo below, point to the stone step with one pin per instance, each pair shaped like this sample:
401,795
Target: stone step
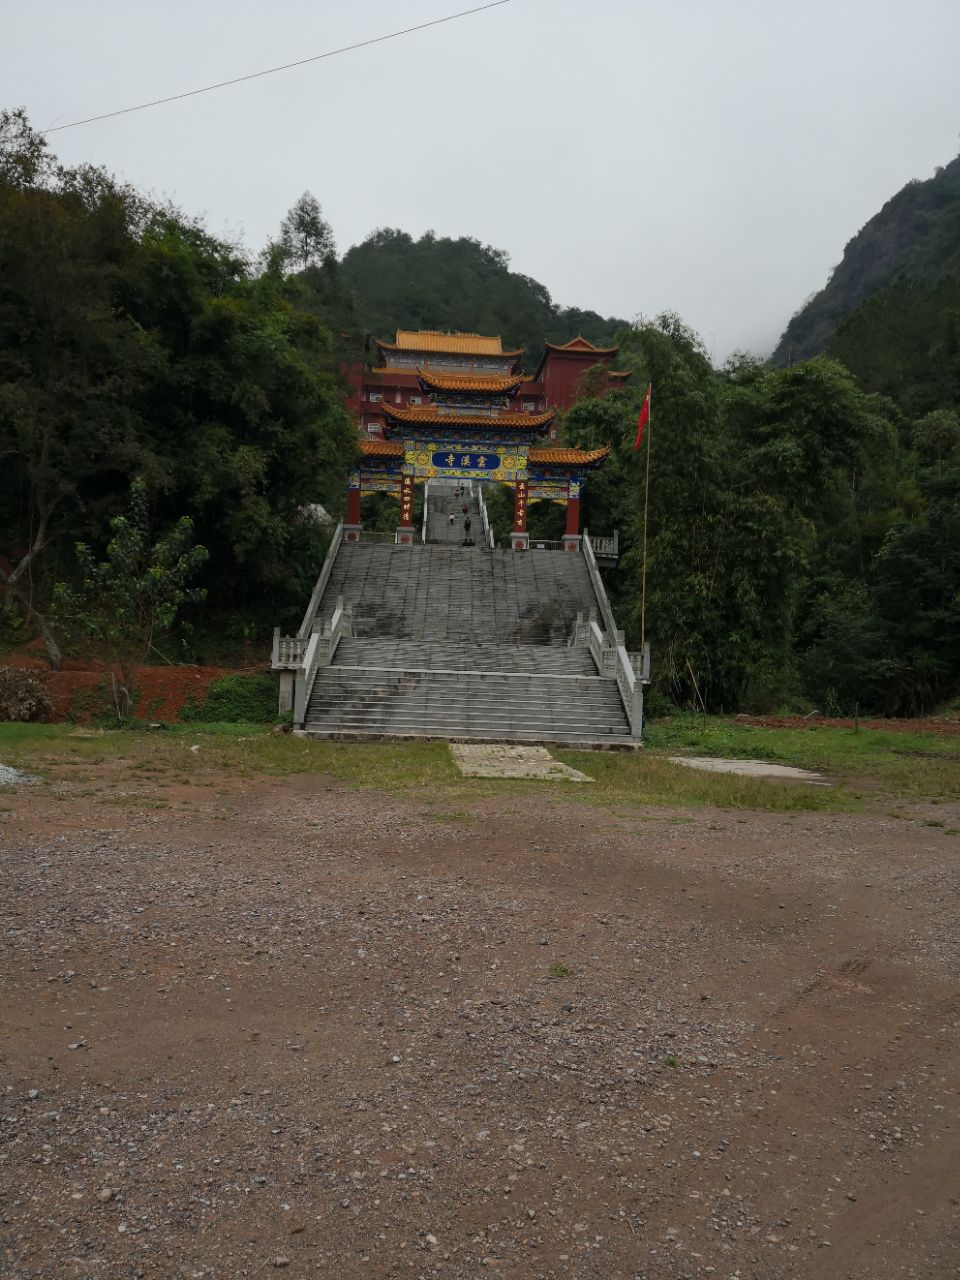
578,741
462,642
434,593
438,702
473,656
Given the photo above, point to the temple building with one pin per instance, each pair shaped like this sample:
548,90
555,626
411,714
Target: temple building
435,631
556,384
458,406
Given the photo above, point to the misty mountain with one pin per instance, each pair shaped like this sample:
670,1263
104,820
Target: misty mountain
914,238
440,283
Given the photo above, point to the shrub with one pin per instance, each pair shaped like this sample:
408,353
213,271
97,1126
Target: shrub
23,695
236,700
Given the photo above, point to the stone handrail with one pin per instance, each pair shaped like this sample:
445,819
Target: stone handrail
607,546
485,519
303,680
426,504
631,689
377,535
306,626
319,652
287,651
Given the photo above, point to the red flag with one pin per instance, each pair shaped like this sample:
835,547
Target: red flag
644,416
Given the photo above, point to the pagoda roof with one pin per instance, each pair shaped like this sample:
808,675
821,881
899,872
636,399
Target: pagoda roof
381,448
496,383
569,457
430,415
441,343
580,346
539,457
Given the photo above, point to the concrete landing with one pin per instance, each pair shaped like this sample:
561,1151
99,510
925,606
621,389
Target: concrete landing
498,760
750,769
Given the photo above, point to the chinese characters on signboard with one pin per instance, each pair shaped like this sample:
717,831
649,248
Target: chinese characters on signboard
520,507
466,461
406,500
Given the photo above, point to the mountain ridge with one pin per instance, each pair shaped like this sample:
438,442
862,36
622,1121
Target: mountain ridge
437,282
914,236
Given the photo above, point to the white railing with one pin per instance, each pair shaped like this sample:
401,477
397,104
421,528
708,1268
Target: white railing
319,652
546,544
426,504
377,535
303,680
485,519
314,645
306,626
287,651
631,688
607,546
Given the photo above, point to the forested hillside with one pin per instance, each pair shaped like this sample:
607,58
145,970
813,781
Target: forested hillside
804,530
440,283
915,236
804,535
134,344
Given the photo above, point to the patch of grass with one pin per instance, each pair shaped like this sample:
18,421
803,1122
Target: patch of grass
671,1061
646,778
884,761
236,700
559,971
868,765
235,748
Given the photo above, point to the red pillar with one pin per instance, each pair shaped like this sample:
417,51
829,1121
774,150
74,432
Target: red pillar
353,506
573,516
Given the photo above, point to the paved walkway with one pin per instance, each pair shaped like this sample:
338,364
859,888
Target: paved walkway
499,760
750,769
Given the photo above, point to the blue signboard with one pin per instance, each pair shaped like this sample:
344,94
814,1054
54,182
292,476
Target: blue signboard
482,461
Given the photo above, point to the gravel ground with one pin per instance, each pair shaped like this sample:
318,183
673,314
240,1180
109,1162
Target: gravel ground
289,1027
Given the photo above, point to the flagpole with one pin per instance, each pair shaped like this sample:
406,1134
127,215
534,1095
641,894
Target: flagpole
646,510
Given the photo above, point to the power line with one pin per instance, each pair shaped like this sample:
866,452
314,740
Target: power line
287,66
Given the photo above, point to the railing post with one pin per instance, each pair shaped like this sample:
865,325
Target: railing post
287,681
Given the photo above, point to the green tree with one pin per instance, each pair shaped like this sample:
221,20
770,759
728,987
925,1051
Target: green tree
122,604
918,575
132,342
68,363
306,238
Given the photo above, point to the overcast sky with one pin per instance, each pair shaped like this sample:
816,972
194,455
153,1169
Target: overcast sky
710,157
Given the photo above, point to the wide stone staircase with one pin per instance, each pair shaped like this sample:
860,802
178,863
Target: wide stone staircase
447,515
460,593
455,642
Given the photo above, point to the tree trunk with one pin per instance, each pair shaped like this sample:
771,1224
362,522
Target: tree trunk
39,620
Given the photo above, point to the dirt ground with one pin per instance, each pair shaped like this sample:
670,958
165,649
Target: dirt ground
80,690
943,726
284,1026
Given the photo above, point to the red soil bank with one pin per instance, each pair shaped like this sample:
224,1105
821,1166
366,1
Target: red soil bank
946,727
164,690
